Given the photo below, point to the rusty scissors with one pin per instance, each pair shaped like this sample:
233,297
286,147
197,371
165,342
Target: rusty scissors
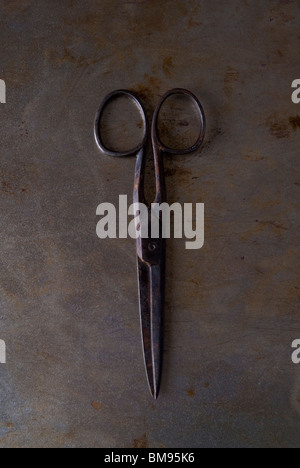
151,252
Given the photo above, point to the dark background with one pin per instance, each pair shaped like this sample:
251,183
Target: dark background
68,301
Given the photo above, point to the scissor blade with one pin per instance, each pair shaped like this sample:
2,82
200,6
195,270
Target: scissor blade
156,282
145,316
151,312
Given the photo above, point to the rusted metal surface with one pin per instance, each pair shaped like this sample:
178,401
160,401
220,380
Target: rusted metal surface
74,374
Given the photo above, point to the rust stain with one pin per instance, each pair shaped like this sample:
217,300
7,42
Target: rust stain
67,56
253,156
277,225
16,6
153,81
141,443
17,182
277,127
295,122
193,23
143,91
7,188
148,89
192,19
231,75
266,201
96,405
207,385
260,358
195,282
10,188
168,66
191,392
279,131
171,171
17,74
9,425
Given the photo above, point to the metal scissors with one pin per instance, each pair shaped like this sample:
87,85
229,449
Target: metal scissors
151,253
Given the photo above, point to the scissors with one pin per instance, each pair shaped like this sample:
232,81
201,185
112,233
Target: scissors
151,253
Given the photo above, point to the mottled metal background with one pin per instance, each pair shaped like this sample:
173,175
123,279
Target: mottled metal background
69,309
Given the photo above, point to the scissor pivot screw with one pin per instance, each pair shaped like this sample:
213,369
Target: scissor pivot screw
152,246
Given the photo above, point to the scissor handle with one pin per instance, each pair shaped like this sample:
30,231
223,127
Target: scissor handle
155,130
97,133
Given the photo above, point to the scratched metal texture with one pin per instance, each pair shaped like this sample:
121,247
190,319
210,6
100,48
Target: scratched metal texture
68,306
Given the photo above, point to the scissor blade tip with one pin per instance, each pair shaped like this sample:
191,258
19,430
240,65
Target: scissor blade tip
155,394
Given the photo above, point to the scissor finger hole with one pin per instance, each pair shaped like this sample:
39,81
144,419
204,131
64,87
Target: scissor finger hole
120,124
180,123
